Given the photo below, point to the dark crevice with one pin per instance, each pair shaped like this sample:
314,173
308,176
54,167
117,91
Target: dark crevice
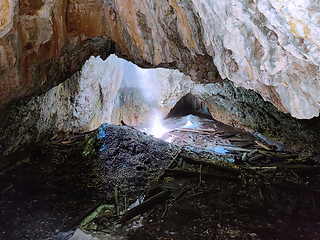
189,104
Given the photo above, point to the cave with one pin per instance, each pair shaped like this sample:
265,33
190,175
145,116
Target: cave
189,104
159,120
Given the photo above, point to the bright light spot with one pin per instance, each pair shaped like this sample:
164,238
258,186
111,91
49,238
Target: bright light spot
188,124
158,131
157,128
169,140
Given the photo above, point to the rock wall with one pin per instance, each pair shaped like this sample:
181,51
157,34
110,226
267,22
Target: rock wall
270,46
102,92
239,107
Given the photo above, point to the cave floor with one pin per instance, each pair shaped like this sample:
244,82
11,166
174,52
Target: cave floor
206,184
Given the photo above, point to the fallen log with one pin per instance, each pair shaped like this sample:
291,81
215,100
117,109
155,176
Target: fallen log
278,154
224,136
252,153
255,158
193,130
145,206
193,160
239,139
194,174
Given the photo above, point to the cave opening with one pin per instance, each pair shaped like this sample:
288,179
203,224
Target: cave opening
189,104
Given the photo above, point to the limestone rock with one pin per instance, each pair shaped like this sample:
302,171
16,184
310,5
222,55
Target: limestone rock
267,43
6,16
271,46
237,106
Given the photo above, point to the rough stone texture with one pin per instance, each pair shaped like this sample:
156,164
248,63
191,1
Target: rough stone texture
6,16
271,46
237,106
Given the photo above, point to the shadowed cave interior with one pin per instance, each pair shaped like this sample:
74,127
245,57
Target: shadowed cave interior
198,179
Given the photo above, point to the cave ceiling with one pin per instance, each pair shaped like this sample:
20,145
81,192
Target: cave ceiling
270,46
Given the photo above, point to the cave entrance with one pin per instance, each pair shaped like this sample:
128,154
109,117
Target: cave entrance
189,112
189,104
190,123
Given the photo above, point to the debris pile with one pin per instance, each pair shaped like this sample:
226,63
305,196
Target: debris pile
255,192
119,182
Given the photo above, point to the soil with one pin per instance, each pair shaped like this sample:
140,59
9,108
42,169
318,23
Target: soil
248,193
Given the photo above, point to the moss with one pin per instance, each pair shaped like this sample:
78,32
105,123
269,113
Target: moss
90,148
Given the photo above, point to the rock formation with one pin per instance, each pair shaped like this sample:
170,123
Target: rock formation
271,47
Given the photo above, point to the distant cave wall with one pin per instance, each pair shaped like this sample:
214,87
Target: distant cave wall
189,104
237,106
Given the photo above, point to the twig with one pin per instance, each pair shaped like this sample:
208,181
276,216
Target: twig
165,211
232,169
250,154
192,130
174,160
78,220
116,199
277,154
224,136
262,145
183,191
6,189
199,176
299,179
172,135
